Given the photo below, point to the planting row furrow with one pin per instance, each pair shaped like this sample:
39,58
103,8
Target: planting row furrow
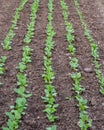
48,76
94,48
84,121
21,101
10,35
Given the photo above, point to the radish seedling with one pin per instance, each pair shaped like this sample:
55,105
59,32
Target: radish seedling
48,76
31,26
94,47
54,127
76,75
10,35
14,116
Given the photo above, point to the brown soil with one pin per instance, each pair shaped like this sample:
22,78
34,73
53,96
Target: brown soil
67,111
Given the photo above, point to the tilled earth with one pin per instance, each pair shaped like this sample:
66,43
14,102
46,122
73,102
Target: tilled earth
68,113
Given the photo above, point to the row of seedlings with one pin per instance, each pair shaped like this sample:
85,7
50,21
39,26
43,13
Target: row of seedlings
84,121
94,49
10,35
48,76
21,102
2,65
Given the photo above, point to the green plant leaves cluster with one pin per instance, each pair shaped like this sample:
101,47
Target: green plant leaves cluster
54,127
26,58
31,26
2,64
20,104
48,76
10,35
94,48
15,114
84,122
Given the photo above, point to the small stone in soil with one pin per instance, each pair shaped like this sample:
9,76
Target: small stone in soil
93,101
88,70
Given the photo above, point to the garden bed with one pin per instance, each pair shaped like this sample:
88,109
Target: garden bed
63,90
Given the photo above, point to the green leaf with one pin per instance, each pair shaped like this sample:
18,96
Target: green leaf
22,80
5,128
74,63
54,127
10,115
20,91
22,67
3,59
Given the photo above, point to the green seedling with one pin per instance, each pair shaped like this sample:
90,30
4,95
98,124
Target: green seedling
3,59
22,67
48,76
76,76
84,124
50,6
27,50
82,103
21,91
22,81
26,55
54,127
71,49
50,110
74,63
50,93
93,45
1,70
26,59
10,35
94,51
2,64
15,115
31,26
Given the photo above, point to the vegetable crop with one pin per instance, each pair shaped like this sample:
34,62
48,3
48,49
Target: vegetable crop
31,26
48,76
94,48
10,35
84,121
14,116
52,128
2,65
